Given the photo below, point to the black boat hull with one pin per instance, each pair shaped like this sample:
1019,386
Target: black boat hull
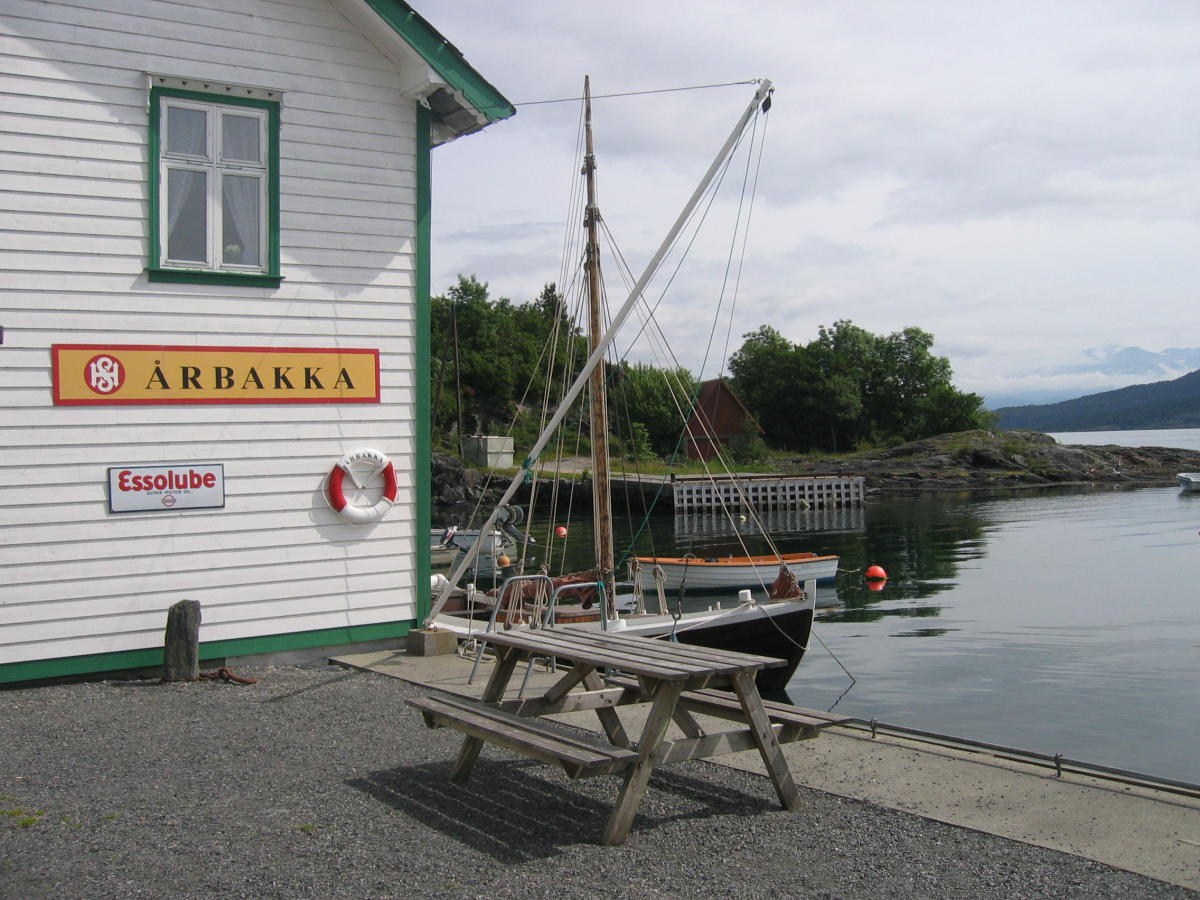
784,635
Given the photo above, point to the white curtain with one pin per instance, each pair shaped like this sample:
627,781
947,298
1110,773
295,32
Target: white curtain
187,235
187,189
240,236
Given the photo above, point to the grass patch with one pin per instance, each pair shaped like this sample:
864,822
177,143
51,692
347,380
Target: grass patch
23,818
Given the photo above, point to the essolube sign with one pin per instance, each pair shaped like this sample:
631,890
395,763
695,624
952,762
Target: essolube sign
141,488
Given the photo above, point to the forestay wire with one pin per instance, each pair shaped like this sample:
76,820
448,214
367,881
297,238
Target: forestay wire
684,397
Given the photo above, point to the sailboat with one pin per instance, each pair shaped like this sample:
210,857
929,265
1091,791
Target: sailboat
779,625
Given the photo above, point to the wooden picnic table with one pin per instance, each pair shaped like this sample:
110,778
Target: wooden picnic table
675,679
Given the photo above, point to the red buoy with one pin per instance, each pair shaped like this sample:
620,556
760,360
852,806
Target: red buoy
876,573
561,530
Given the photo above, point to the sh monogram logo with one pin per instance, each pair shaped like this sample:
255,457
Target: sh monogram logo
104,374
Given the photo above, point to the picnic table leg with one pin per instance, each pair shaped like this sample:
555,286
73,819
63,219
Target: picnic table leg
609,720
636,778
506,664
764,737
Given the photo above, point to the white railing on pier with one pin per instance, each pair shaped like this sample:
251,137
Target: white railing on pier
768,492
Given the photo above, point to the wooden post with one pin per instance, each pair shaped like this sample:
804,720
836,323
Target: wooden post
181,650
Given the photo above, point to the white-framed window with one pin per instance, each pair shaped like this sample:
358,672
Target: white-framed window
214,189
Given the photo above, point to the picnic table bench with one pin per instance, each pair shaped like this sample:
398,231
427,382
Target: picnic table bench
675,679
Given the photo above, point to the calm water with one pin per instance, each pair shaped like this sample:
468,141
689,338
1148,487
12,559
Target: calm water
1063,623
1186,438
1060,621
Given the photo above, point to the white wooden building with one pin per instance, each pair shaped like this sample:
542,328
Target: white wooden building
214,285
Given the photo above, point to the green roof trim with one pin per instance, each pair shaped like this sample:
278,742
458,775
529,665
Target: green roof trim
444,58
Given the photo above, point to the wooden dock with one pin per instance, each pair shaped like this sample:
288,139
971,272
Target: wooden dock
765,492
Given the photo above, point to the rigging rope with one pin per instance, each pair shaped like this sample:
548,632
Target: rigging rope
695,87
696,221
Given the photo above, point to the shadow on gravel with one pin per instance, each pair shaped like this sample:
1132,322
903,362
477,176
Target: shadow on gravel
334,679
512,813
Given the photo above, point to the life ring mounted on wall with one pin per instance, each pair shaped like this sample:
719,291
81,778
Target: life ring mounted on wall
373,463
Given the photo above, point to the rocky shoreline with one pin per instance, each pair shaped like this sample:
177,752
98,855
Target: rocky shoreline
1002,459
966,460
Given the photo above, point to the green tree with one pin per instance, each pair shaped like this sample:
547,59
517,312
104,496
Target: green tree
490,357
841,370
462,336
765,371
848,387
656,401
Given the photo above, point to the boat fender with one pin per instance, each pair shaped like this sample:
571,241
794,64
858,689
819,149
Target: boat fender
336,496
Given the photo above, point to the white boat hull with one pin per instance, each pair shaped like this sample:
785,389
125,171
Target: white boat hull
704,575
1189,481
496,542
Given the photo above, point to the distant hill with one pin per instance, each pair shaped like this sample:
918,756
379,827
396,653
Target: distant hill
1096,369
1163,404
1131,361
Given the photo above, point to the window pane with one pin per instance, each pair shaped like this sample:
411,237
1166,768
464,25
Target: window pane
187,131
239,138
241,220
187,211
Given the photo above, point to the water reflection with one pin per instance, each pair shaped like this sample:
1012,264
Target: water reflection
922,542
1059,620
779,523
876,613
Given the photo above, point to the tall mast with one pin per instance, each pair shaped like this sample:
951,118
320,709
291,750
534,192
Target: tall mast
601,486
761,96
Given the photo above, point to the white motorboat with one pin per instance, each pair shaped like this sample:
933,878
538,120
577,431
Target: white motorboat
713,573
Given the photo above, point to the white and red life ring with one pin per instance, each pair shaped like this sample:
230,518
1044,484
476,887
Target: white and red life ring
351,464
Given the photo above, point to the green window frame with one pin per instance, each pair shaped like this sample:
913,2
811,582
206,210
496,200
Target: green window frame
213,187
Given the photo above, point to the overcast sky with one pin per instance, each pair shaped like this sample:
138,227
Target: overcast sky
1021,179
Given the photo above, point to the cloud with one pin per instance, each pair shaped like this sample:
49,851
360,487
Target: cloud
1020,179
504,232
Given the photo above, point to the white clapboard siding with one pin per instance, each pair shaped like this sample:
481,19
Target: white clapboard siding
78,598
356,314
153,586
56,516
88,416
324,612
73,206
225,600
156,452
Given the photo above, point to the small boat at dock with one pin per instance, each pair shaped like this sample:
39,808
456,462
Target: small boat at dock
448,544
716,573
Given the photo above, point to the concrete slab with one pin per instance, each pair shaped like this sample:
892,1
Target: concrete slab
1150,832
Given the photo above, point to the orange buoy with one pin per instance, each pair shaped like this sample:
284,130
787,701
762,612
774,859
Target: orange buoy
561,530
876,573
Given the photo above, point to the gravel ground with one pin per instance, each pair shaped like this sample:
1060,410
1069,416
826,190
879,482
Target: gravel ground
320,782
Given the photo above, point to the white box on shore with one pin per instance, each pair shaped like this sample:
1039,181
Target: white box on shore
491,451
